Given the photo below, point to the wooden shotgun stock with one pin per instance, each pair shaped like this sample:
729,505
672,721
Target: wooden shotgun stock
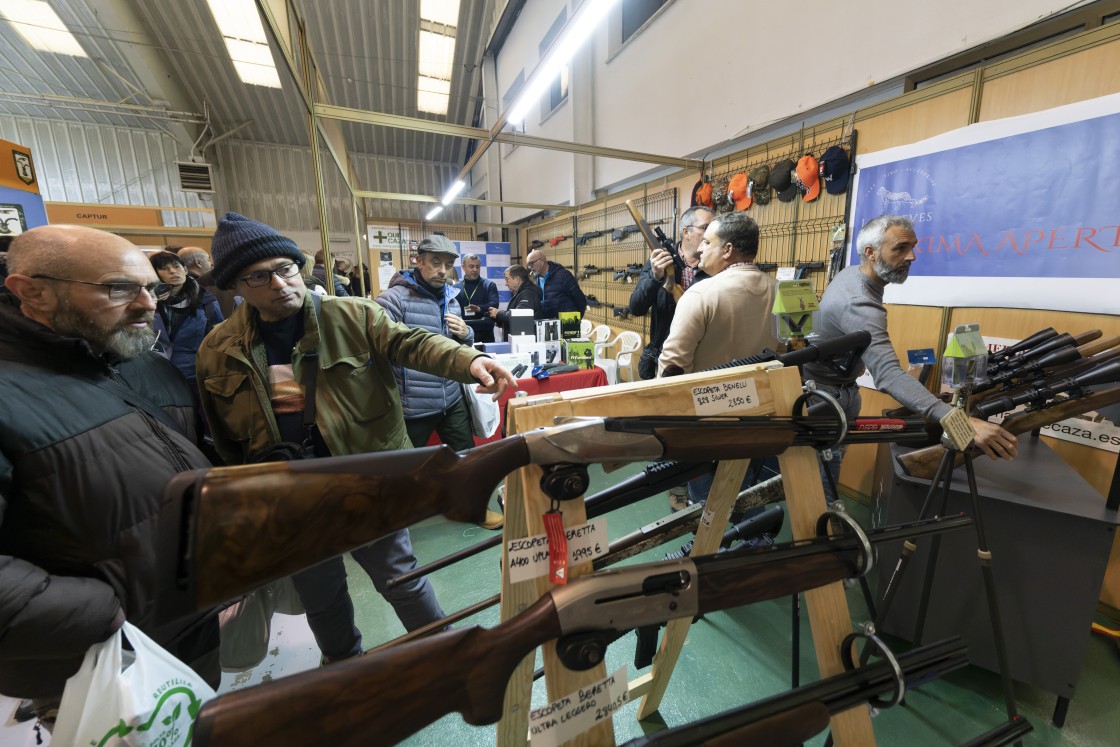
386,696
247,526
242,527
922,463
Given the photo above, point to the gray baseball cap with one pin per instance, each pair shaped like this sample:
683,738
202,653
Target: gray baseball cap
438,244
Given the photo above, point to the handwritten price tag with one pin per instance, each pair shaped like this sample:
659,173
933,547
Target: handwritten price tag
528,556
957,429
726,398
565,719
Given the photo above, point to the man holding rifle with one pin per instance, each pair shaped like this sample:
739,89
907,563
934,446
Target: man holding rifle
727,317
291,371
854,301
650,294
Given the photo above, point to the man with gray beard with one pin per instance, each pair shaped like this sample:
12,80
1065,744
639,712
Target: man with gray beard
852,302
93,425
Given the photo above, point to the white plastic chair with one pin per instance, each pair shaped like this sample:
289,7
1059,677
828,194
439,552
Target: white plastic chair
585,328
601,336
630,344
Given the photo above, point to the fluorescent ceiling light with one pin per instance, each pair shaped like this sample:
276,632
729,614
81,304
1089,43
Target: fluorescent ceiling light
440,11
434,212
453,191
560,54
432,95
246,43
41,27
436,54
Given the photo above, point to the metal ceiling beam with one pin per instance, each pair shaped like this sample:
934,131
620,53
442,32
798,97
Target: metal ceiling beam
405,197
417,124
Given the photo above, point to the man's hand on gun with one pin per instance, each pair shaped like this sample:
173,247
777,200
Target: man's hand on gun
660,261
492,378
994,440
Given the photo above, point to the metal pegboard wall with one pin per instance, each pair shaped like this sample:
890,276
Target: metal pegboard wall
594,278
794,233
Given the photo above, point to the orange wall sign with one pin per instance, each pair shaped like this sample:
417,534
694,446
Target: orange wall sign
17,169
102,215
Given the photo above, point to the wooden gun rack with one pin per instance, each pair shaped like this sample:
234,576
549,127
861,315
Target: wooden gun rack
777,389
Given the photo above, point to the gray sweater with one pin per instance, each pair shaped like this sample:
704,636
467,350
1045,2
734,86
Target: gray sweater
854,302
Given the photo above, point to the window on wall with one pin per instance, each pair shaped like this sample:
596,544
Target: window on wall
558,90
635,13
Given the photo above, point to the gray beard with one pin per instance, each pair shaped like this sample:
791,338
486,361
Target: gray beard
890,274
123,341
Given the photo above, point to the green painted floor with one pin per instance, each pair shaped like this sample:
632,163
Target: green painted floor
736,656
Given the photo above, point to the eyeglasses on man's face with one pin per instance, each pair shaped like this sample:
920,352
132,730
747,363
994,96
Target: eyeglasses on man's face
119,292
701,229
262,278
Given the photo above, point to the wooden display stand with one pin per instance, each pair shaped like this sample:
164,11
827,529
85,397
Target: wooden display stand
777,389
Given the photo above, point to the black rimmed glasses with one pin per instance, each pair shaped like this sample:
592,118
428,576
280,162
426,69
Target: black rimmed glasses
261,278
701,229
120,292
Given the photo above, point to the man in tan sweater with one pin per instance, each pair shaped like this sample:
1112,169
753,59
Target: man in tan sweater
728,316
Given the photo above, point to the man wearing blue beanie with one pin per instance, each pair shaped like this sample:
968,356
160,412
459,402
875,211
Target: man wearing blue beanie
316,373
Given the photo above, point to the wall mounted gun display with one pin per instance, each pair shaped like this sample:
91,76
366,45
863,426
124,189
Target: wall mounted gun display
589,270
630,271
585,237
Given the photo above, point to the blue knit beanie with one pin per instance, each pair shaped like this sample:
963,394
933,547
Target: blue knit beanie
239,242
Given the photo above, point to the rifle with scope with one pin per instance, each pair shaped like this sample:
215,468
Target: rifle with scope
589,270
620,234
1046,407
467,669
631,270
585,237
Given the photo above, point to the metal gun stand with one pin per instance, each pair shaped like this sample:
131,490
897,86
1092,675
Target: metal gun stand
943,478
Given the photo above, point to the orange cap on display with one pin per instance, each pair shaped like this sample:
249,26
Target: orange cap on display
808,178
737,191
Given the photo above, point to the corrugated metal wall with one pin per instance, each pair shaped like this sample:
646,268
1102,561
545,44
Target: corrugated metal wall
275,184
107,165
102,164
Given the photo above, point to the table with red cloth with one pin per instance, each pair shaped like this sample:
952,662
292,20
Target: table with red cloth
564,382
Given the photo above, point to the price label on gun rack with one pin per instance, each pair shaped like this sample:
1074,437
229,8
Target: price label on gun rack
528,556
565,719
725,398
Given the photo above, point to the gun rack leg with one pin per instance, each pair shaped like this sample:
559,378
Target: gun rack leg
829,617
717,512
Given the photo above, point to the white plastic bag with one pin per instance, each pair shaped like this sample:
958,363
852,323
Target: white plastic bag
152,703
485,417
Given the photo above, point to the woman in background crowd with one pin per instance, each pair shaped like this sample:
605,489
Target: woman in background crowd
183,317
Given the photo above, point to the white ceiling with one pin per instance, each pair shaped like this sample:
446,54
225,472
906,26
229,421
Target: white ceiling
167,56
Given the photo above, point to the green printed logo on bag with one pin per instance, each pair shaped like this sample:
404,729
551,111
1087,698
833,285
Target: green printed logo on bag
151,701
171,728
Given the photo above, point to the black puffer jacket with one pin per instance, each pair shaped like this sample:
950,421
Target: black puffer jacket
82,471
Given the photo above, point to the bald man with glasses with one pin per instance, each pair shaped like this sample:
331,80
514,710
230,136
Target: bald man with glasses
93,425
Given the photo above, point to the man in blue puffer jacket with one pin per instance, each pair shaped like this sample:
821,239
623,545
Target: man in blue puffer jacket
423,298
